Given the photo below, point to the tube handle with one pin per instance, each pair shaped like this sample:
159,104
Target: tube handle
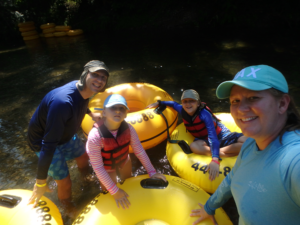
9,201
154,183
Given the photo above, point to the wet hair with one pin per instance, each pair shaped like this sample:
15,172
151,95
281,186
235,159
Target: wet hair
293,116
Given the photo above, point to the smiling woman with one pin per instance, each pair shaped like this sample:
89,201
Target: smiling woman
257,114
266,177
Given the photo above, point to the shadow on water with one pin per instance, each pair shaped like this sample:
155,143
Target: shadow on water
173,62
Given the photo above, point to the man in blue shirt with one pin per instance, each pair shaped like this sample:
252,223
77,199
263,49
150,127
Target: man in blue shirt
52,131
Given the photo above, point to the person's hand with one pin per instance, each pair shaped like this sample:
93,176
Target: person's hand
37,193
202,214
121,198
159,176
153,105
213,169
96,116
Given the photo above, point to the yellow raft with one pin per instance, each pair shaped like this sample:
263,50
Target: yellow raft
192,166
152,202
150,127
14,209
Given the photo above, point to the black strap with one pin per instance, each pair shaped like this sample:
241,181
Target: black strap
184,146
101,135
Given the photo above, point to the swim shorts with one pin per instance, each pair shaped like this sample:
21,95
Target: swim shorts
225,137
70,150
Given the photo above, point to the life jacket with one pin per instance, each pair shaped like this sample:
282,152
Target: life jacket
196,126
115,150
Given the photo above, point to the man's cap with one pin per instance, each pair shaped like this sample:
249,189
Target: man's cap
115,99
95,65
190,93
255,78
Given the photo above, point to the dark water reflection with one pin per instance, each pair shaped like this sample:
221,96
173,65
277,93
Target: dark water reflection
172,62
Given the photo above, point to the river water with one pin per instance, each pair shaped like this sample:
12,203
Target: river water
173,62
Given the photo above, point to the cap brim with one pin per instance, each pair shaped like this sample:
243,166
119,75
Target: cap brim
94,69
116,103
223,90
190,97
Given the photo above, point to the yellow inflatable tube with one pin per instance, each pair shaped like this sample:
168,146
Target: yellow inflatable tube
27,38
27,28
48,30
59,34
151,200
29,33
26,24
14,209
47,26
47,35
62,28
192,166
74,32
150,127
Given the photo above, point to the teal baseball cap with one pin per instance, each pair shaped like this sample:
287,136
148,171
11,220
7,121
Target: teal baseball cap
115,99
255,78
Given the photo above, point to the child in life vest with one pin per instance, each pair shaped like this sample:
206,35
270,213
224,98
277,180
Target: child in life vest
211,136
108,148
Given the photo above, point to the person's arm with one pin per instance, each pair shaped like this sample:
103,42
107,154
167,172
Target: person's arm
221,195
214,166
139,151
207,118
95,116
290,170
223,192
216,200
93,148
172,104
88,111
141,154
295,183
57,116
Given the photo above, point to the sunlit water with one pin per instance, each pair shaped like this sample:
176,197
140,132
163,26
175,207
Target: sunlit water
173,63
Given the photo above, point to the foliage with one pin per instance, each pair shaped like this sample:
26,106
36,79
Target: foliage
8,17
106,15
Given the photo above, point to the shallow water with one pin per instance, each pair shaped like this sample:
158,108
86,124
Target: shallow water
172,62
